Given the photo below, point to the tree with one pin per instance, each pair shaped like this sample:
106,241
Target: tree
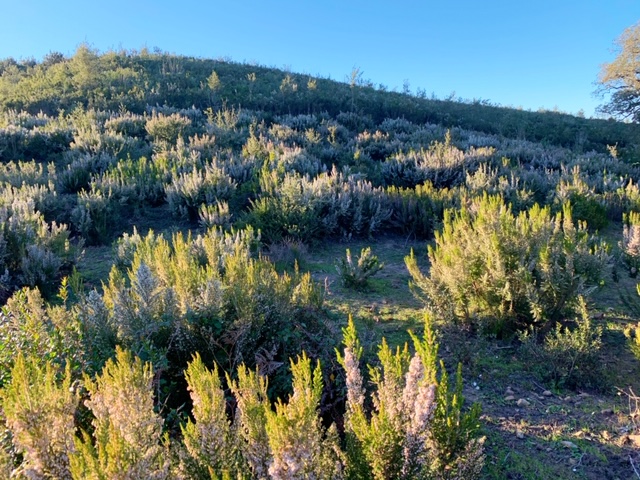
621,77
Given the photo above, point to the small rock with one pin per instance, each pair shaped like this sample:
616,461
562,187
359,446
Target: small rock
584,395
568,444
572,461
509,398
519,434
547,393
509,391
523,403
567,398
607,411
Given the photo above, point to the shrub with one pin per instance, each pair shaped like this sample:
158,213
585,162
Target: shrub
209,438
95,215
39,411
335,203
356,274
417,428
214,215
188,191
416,211
298,443
211,295
127,439
567,357
492,269
166,129
27,328
138,182
632,333
630,243
33,252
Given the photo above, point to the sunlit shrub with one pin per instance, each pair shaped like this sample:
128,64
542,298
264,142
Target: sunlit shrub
166,129
630,243
417,428
39,411
357,274
127,439
502,272
96,214
188,191
34,252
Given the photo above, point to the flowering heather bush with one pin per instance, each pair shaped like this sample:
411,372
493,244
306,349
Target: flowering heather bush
39,411
299,447
502,272
335,203
127,438
417,428
166,129
33,252
250,392
188,191
442,164
630,243
209,438
95,214
20,143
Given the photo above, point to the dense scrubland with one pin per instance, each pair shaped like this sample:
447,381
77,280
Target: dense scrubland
198,259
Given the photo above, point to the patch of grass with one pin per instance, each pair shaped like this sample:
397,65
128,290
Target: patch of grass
95,265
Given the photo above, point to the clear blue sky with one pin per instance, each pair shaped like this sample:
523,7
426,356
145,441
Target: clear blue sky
535,54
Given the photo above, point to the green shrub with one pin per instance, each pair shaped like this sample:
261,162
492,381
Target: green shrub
166,129
189,191
417,428
502,272
298,444
210,294
356,274
567,357
96,215
630,243
31,328
33,252
127,439
209,438
39,410
417,211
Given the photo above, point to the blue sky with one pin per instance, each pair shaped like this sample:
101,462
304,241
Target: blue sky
537,54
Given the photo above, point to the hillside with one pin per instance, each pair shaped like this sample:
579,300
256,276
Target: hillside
189,210
137,80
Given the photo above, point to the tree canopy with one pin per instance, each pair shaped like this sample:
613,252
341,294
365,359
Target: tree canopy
621,77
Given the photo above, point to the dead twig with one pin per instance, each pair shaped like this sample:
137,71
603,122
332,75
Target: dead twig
634,467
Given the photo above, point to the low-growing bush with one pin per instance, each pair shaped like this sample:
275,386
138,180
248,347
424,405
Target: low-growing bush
567,357
356,274
96,214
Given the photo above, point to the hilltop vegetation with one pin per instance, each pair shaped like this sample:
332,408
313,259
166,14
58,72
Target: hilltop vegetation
163,220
